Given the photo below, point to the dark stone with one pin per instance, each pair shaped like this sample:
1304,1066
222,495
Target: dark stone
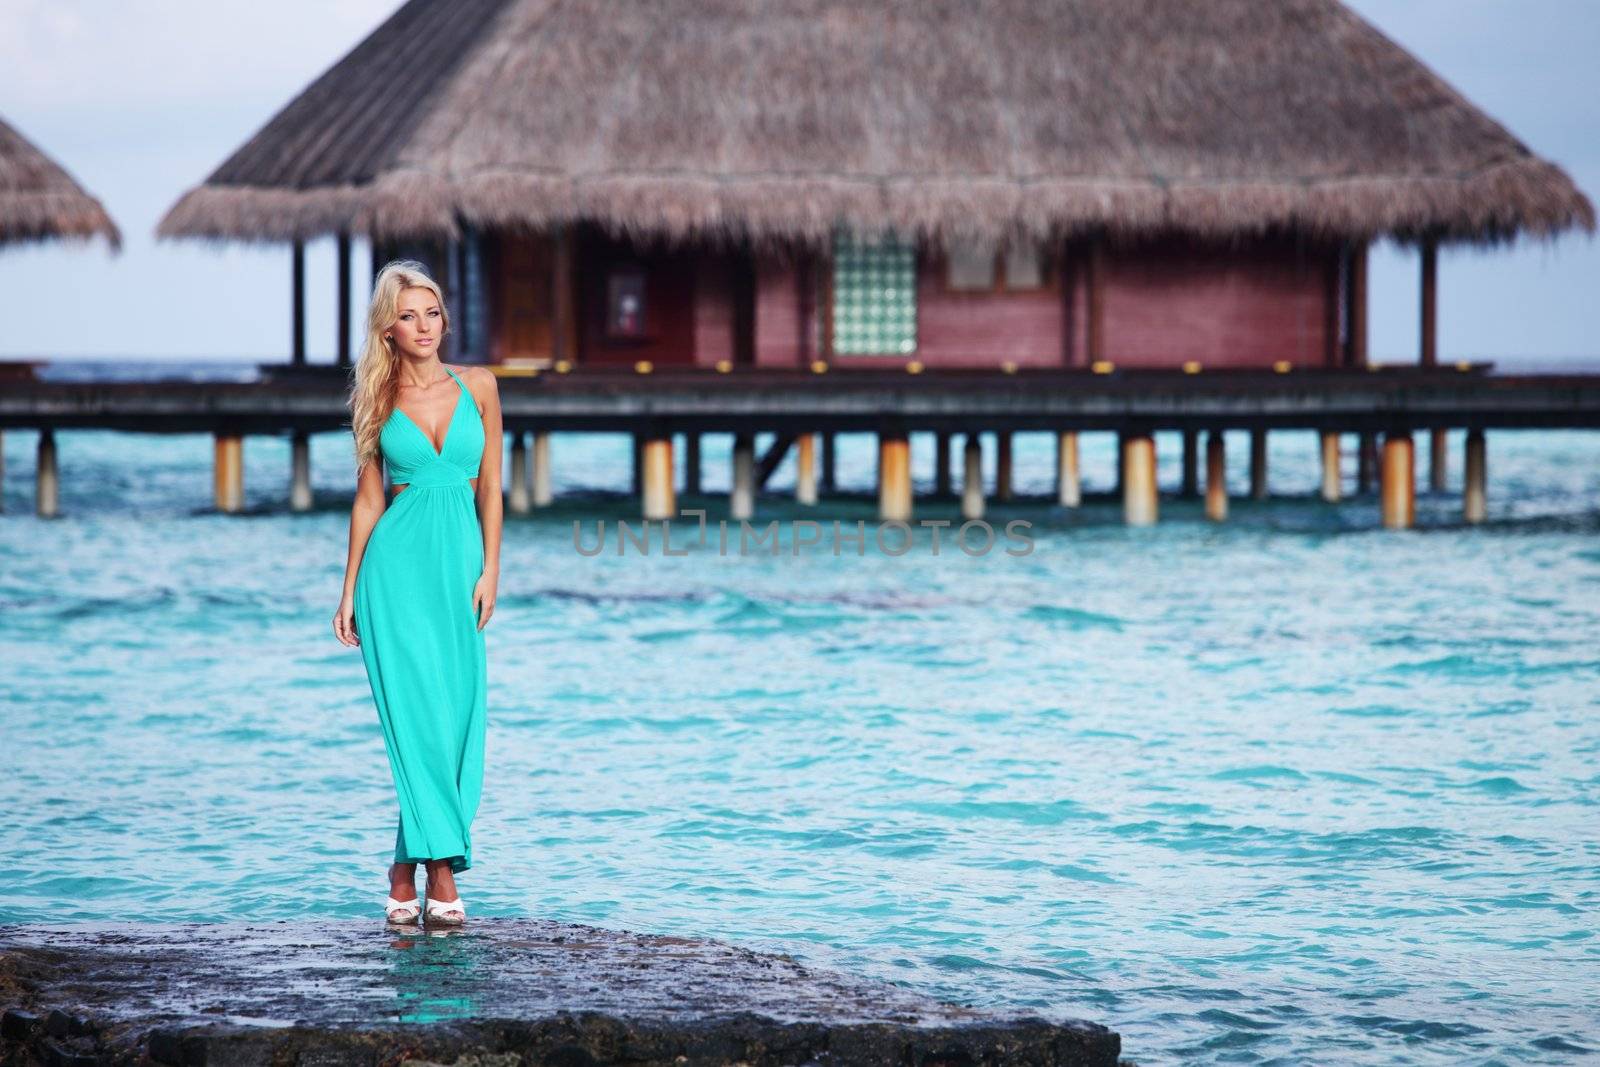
17,1025
497,993
73,1052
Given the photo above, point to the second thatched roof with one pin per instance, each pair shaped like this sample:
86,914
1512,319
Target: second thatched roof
784,118
40,201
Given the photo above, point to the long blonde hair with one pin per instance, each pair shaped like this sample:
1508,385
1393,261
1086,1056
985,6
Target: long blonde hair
375,378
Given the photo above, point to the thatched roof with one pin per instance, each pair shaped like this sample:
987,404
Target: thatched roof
783,117
40,201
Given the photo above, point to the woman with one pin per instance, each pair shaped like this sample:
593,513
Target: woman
420,580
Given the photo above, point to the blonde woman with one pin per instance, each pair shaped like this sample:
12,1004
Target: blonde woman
420,580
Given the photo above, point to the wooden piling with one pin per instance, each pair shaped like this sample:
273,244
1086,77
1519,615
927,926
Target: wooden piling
1331,480
1258,464
1002,465
1216,477
1069,484
691,463
941,464
228,472
1439,459
1366,460
742,496
47,485
1117,464
543,488
1475,480
659,501
894,477
805,469
300,495
637,485
972,478
1139,496
829,446
1397,488
1191,464
518,500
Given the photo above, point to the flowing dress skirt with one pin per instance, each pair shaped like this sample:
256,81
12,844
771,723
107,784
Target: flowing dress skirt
426,662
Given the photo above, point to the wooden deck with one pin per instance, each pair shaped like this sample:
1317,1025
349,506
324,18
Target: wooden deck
1382,399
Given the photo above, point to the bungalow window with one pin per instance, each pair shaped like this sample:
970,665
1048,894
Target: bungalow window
1024,270
625,303
874,296
977,266
969,265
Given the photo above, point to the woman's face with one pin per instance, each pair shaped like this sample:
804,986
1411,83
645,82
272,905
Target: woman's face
420,324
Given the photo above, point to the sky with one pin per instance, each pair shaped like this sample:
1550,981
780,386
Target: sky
140,99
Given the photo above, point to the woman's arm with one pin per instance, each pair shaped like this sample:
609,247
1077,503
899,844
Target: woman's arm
491,504
365,512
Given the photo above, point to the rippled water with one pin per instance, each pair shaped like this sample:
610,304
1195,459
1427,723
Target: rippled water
1290,789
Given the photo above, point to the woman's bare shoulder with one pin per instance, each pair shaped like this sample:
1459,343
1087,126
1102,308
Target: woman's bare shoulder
479,380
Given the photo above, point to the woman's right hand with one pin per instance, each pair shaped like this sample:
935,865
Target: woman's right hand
344,622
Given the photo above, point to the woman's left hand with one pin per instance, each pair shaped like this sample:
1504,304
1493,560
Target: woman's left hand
483,599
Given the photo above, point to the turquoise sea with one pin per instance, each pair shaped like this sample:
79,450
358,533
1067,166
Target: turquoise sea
1291,789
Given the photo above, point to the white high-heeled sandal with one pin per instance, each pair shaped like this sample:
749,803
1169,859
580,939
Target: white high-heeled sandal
448,912
401,911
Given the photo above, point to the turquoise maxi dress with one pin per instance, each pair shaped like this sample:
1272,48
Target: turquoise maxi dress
424,654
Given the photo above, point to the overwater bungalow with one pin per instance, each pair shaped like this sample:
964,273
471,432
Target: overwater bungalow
40,201
859,185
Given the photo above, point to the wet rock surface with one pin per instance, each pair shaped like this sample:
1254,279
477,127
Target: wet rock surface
497,993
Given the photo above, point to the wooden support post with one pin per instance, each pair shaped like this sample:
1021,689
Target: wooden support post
659,502
1095,289
1366,461
228,472
1139,496
1121,440
1356,308
1258,464
1332,314
1331,483
1398,487
941,464
1439,459
297,316
1216,477
543,488
637,485
1191,464
1429,355
972,478
691,462
1002,465
805,469
894,476
518,499
300,495
742,498
563,320
829,481
47,485
1069,484
344,300
770,460
1475,479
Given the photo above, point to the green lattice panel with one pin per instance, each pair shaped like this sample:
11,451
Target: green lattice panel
874,296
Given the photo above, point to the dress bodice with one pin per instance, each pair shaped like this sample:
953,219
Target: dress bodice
411,458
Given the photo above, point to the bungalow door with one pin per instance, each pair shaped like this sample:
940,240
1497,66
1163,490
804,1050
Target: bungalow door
526,306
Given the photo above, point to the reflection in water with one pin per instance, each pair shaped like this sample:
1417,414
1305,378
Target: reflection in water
435,973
